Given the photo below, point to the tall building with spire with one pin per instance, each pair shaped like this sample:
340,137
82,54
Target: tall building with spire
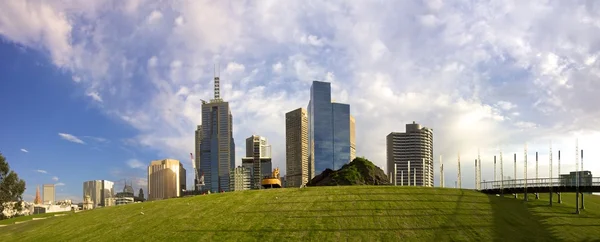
217,147
38,198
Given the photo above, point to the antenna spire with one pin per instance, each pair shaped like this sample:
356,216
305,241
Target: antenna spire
217,84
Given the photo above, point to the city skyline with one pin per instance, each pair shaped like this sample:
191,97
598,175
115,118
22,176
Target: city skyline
83,107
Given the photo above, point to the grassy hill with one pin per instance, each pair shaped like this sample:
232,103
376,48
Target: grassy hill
354,213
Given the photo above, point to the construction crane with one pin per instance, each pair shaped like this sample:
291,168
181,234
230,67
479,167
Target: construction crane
203,102
199,181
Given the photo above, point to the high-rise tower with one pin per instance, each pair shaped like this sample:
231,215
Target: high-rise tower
296,147
257,160
217,147
414,146
330,130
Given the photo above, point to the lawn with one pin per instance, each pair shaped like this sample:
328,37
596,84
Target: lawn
356,213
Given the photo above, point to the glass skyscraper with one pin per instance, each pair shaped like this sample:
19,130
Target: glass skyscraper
329,130
217,147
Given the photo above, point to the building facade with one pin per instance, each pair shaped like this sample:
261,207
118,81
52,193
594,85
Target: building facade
258,152
217,146
296,148
330,130
240,179
166,179
101,192
197,142
266,169
49,194
415,146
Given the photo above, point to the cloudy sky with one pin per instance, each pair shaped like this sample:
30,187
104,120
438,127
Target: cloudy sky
97,89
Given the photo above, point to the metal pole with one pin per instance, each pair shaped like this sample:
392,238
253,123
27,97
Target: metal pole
515,178
401,178
560,182
501,175
478,169
415,177
395,174
476,185
441,172
459,176
525,160
537,181
495,176
577,211
408,174
423,173
585,184
550,176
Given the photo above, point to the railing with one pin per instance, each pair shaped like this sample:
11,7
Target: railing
541,182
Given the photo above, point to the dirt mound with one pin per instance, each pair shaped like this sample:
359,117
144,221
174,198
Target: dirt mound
358,172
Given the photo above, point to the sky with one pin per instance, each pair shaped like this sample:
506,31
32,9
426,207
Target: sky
97,89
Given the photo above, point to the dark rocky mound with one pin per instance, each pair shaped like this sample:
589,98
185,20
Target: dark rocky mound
358,172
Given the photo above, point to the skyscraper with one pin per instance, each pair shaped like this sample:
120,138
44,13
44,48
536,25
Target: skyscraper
101,192
330,130
217,147
49,193
166,179
414,146
296,148
198,140
257,160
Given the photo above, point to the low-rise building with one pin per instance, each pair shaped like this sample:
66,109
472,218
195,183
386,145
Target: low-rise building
239,179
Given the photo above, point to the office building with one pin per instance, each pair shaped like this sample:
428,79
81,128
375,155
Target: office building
198,140
330,130
258,159
352,139
296,148
240,179
101,192
217,146
414,146
166,179
49,193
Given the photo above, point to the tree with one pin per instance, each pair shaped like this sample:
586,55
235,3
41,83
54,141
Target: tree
11,187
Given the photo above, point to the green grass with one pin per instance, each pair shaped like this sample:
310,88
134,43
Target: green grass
30,217
357,213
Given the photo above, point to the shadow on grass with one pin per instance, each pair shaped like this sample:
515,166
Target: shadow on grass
370,201
453,215
514,222
344,210
381,193
274,230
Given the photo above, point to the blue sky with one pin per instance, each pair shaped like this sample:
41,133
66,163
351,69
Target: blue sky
122,80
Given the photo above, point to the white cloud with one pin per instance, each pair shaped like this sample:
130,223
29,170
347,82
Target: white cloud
95,95
71,138
234,67
55,178
154,16
498,75
277,67
24,150
134,163
506,105
41,171
59,184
